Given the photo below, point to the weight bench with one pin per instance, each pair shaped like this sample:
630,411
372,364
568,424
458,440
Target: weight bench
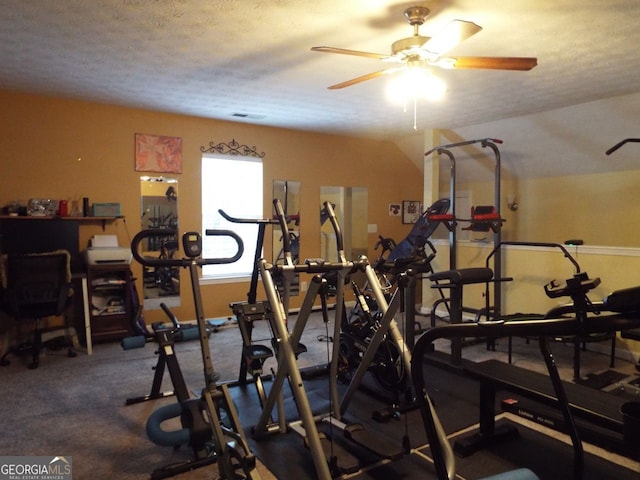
597,408
443,456
542,329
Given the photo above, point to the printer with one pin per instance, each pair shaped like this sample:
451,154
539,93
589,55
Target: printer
104,250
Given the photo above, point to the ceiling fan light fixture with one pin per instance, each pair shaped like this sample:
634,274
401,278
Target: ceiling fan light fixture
415,84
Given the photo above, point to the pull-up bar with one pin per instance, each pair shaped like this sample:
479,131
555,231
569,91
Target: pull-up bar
484,141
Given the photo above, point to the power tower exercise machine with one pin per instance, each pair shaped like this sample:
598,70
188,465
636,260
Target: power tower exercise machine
482,217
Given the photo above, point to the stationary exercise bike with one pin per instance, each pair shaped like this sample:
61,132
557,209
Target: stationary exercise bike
201,418
358,328
413,254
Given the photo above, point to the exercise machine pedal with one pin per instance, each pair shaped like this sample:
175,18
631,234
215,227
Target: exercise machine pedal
299,349
340,460
255,356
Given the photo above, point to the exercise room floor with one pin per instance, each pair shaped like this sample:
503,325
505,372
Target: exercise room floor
76,407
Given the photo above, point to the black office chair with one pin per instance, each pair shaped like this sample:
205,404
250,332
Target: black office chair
36,286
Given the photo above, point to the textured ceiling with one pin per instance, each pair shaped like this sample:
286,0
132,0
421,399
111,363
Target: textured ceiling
223,58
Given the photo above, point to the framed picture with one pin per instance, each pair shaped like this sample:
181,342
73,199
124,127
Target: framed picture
411,211
156,153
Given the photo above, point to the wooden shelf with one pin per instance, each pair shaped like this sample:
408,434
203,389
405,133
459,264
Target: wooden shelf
55,217
104,220
107,282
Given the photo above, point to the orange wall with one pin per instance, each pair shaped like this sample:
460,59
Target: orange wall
65,149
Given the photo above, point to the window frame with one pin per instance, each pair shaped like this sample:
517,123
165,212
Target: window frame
224,192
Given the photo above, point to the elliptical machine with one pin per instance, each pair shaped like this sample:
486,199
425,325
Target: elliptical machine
201,418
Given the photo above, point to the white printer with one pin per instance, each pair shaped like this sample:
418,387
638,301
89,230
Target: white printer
104,250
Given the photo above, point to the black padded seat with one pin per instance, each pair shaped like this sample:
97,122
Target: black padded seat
464,276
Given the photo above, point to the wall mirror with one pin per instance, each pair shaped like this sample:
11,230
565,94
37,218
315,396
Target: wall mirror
159,205
288,192
350,206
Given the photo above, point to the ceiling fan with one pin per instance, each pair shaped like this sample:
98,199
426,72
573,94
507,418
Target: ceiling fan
421,52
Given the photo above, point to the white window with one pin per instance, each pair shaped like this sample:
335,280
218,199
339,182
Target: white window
233,184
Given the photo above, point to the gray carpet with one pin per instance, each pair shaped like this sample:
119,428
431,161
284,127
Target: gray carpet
76,406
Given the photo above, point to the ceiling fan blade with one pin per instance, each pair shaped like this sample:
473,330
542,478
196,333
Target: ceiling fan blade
451,35
494,63
345,51
363,78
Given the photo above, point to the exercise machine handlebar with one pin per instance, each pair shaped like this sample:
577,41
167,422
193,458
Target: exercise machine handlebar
535,244
621,143
328,206
184,262
257,221
313,265
282,221
252,294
